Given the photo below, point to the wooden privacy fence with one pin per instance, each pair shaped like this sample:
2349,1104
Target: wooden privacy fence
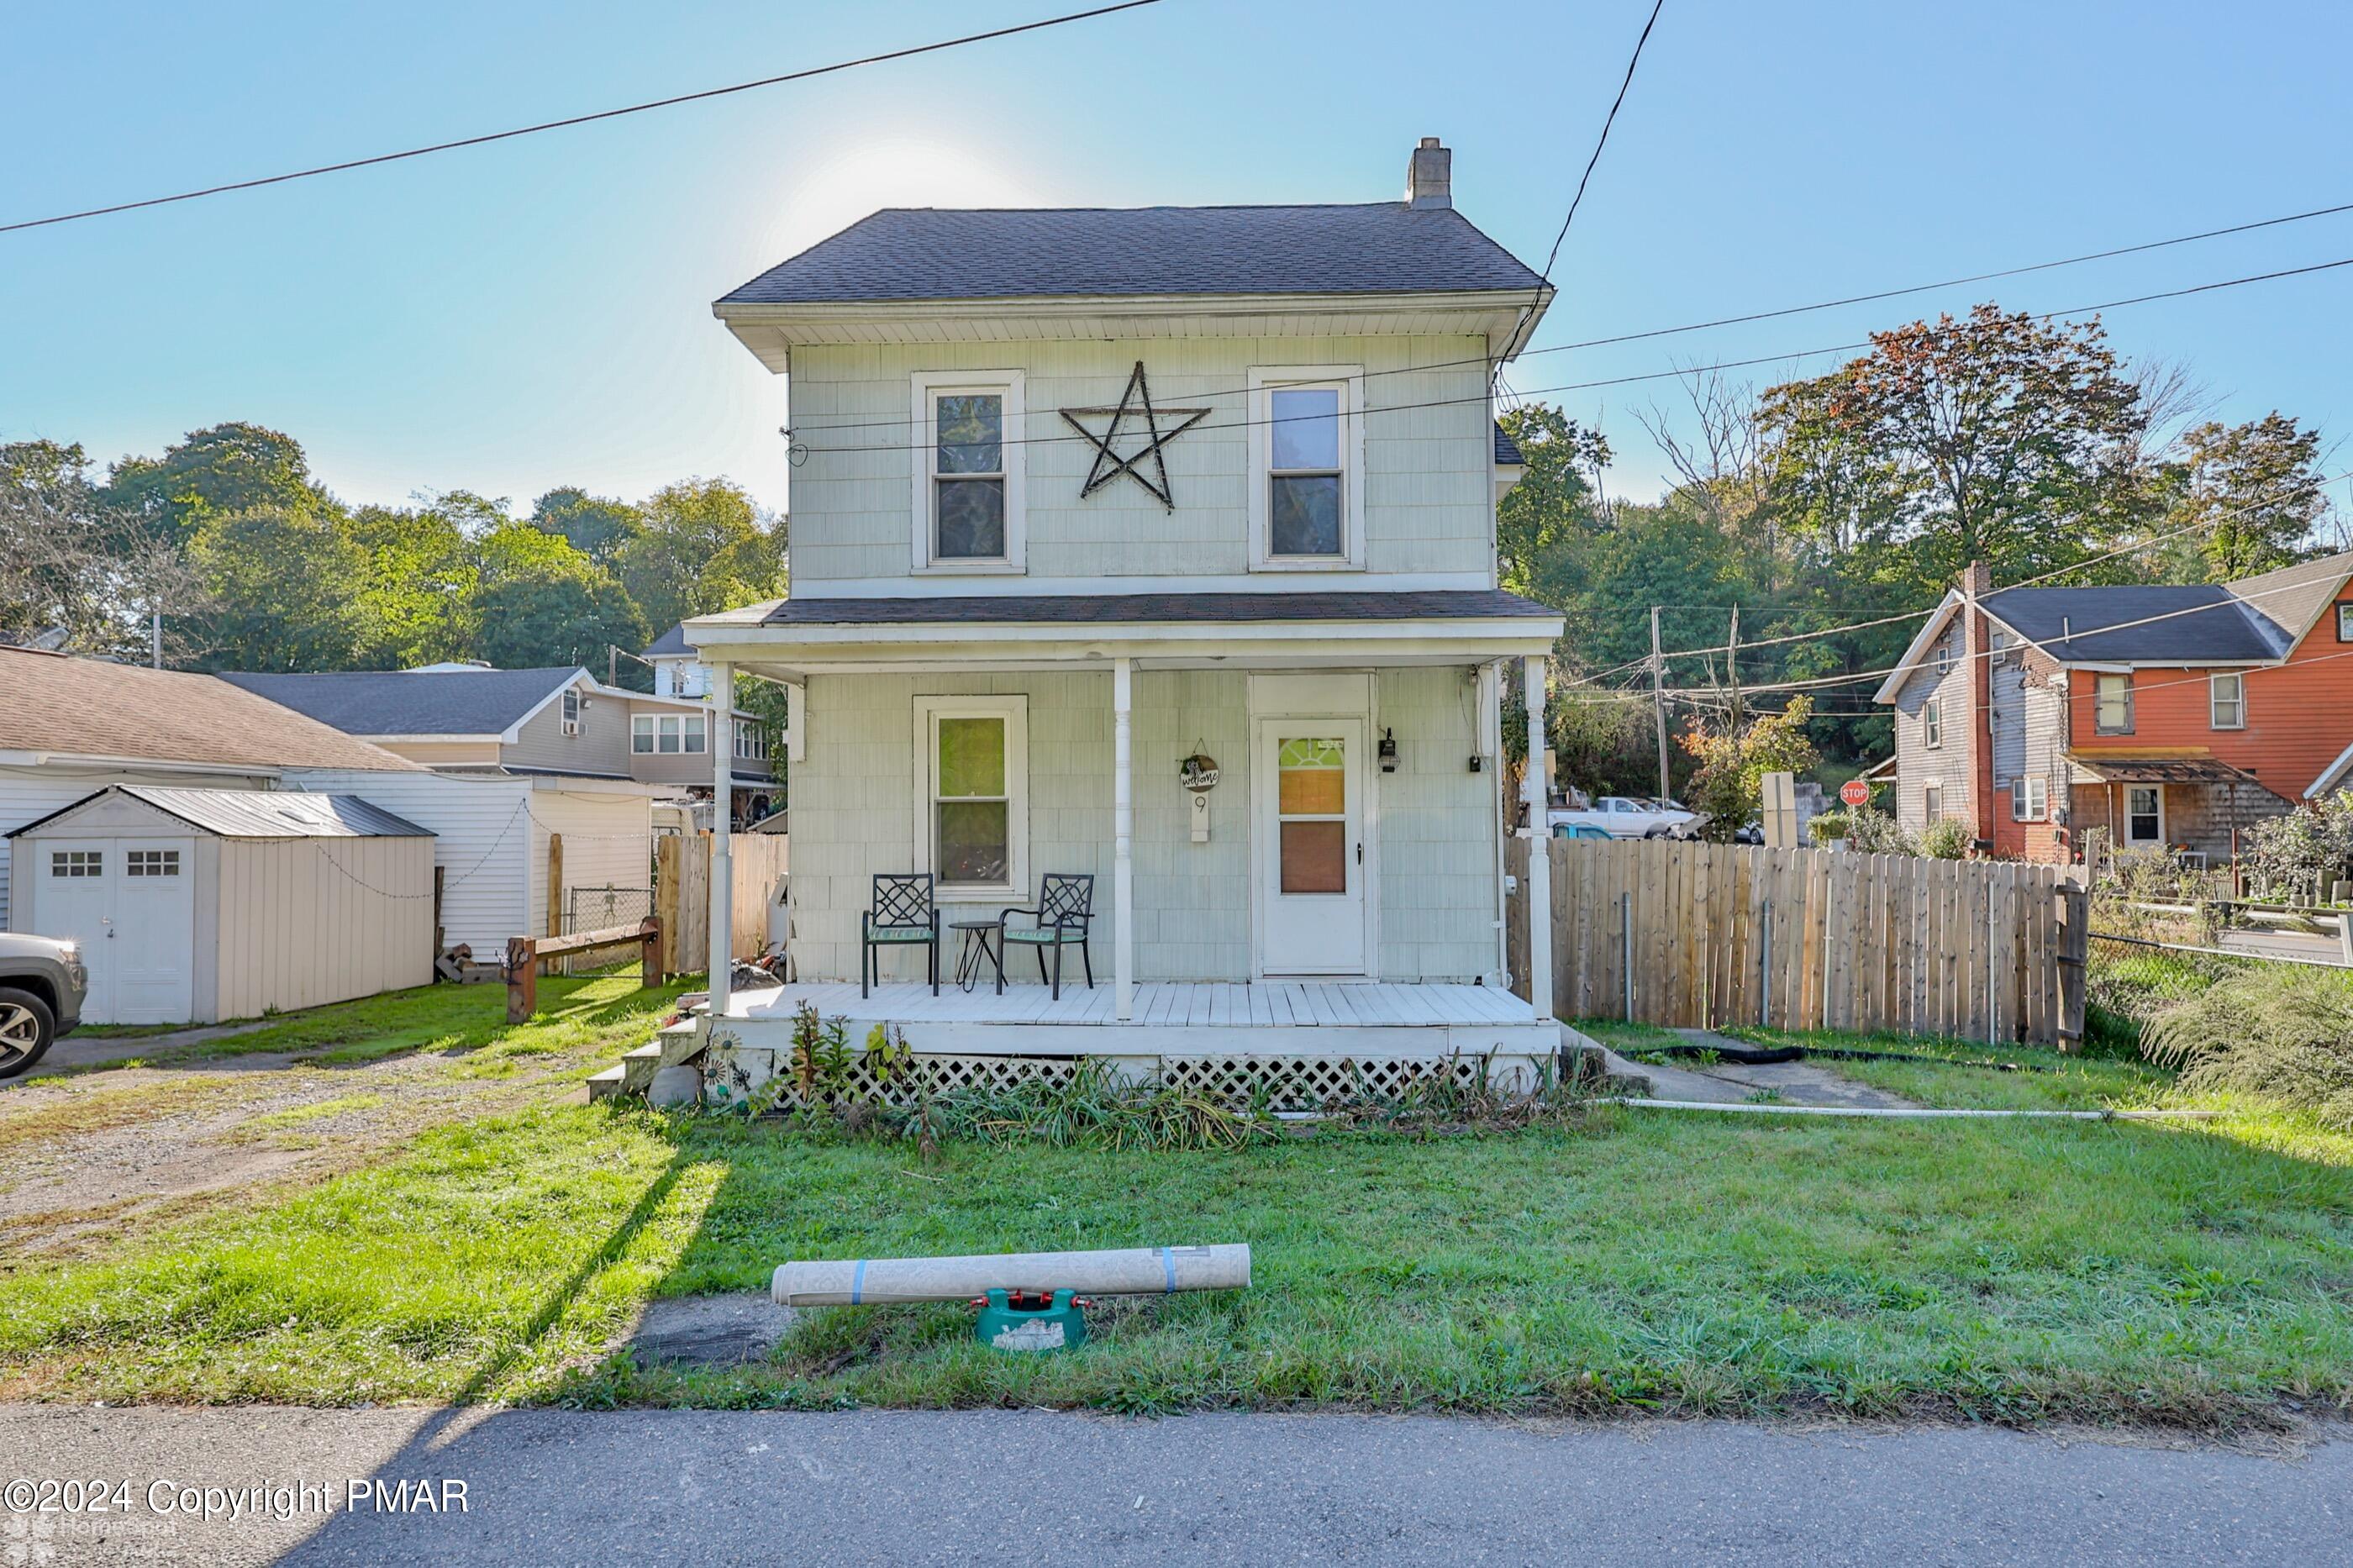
683,894
1705,935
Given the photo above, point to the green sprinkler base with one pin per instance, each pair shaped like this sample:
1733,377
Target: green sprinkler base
1027,1320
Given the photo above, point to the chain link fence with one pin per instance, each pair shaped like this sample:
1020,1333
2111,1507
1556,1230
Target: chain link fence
593,909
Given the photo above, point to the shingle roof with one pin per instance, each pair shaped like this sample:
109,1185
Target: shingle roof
259,813
2295,596
86,707
1507,451
402,702
1355,605
671,643
2066,622
903,253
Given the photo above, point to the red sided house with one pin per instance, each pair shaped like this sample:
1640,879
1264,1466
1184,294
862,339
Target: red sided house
2173,716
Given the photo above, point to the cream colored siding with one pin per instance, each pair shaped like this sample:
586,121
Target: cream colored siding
1428,456
854,814
303,922
482,843
29,794
608,842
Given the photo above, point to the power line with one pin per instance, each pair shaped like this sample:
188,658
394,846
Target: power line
1590,163
582,119
1955,327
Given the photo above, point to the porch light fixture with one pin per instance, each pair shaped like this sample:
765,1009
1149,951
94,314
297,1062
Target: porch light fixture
1388,752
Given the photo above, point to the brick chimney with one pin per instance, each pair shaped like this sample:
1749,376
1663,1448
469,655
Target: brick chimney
1430,175
1977,634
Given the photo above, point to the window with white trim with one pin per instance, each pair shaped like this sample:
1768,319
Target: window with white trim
77,863
751,741
2144,814
570,711
2112,705
696,730
152,862
642,734
2226,694
2030,798
1932,723
968,484
1307,468
976,807
1931,803
666,732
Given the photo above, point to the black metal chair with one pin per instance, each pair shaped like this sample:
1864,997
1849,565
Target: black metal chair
1065,905
904,914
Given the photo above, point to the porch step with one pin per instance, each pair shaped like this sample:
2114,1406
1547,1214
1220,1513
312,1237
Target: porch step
676,1044
606,1085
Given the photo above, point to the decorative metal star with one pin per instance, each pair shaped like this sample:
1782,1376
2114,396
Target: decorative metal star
1134,403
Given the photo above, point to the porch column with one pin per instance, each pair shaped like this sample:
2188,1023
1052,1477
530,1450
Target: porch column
1123,845
721,732
1539,888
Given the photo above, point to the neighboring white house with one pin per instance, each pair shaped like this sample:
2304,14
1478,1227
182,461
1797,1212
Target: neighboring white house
1094,501
195,905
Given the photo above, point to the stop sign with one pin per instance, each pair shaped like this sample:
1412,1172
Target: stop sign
1855,791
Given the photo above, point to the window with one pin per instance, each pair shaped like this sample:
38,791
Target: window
2113,705
152,862
2145,814
1944,659
667,729
1307,504
1932,723
1312,815
696,727
2345,621
975,829
77,863
968,489
2029,799
751,741
1931,803
641,733
2227,700
570,711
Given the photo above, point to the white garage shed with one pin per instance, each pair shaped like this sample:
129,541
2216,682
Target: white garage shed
196,905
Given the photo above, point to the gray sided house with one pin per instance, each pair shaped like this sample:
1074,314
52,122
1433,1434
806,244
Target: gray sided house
1156,546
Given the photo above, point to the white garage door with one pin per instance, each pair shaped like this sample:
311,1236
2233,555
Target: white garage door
131,905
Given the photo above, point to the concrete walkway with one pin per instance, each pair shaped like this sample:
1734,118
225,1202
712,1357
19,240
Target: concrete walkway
528,1487
1737,1083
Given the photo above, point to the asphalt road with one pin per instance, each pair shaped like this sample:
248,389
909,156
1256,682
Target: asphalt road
553,1487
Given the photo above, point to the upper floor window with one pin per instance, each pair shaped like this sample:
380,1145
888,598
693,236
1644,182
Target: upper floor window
694,732
2227,695
1944,659
1932,723
2112,710
642,734
2345,621
1307,505
968,490
571,719
751,741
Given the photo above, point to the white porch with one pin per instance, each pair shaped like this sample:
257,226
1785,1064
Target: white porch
1304,1042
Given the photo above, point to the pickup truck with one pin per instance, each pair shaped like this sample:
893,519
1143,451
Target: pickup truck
1622,817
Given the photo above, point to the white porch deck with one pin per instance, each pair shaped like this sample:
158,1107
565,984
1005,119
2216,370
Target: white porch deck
1289,1018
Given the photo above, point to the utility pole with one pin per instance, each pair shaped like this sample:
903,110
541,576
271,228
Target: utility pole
1658,702
155,636
1732,664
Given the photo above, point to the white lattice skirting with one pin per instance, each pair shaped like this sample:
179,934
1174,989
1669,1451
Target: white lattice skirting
734,1072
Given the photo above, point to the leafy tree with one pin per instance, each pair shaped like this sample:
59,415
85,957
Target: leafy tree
1735,755
2002,439
554,615
222,468
2252,492
1541,517
282,581
596,527
412,587
701,545
73,569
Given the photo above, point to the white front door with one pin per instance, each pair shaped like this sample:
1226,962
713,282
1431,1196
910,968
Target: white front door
131,905
1311,837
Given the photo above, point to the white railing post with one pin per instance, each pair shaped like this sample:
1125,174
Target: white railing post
1123,842
1539,847
721,730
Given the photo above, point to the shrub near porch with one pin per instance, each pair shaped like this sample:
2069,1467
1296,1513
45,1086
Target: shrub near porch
1635,1259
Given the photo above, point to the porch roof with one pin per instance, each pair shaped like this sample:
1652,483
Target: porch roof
1286,627
2091,767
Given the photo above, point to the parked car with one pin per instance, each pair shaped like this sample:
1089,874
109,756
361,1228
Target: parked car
42,981
1627,816
1577,829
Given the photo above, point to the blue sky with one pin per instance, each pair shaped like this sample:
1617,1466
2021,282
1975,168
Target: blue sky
534,313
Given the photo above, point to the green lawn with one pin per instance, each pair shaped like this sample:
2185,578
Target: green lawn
2038,1079
2010,1272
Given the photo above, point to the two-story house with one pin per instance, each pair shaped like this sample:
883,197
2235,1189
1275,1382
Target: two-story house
2168,716
1156,545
